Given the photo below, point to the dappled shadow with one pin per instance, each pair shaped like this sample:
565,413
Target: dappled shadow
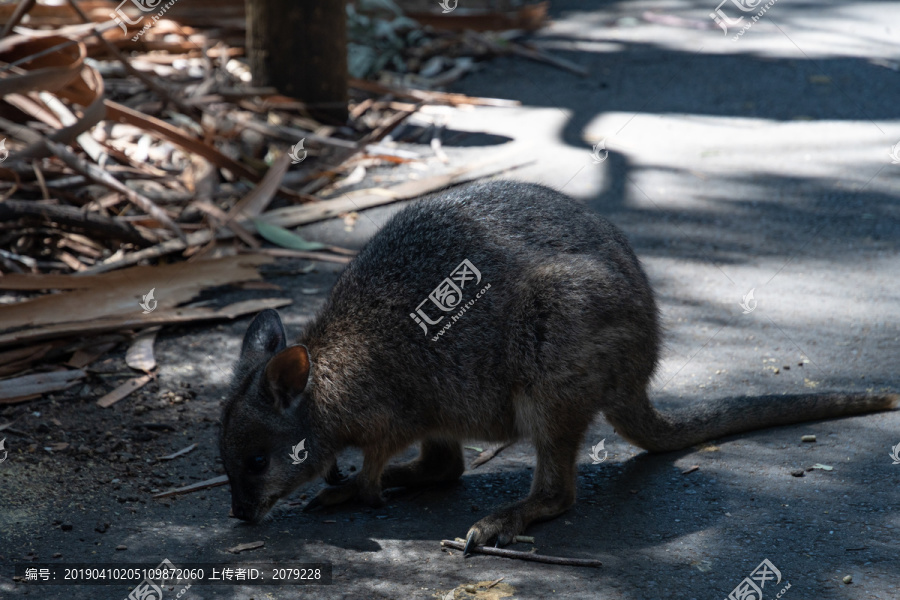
658,531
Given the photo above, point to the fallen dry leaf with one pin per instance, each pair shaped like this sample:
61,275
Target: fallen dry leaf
140,353
181,452
244,547
482,590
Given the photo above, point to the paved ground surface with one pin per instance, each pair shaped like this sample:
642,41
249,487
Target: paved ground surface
762,164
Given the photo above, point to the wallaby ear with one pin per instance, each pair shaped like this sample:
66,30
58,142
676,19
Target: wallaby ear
287,373
264,337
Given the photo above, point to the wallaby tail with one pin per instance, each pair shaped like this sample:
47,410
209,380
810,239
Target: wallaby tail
643,425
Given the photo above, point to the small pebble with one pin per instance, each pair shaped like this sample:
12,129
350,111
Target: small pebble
798,472
66,527
57,555
121,547
470,589
808,438
848,578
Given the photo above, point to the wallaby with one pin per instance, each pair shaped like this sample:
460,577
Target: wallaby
496,312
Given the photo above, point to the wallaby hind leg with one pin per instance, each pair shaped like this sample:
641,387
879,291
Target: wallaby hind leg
552,492
440,460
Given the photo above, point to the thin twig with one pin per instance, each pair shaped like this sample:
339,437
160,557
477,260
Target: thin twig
21,10
165,94
103,178
39,175
489,454
195,487
146,79
541,558
288,253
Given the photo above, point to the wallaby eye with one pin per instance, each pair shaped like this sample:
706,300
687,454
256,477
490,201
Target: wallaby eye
258,463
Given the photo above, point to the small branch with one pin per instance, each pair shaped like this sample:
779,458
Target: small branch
288,253
69,217
181,452
21,10
489,454
195,487
103,178
145,79
504,553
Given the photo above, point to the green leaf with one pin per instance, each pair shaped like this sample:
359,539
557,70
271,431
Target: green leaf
822,467
284,238
475,448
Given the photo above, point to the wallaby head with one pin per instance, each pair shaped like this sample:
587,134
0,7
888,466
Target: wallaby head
268,442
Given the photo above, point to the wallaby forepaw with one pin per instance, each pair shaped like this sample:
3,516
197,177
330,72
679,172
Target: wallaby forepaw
501,529
338,494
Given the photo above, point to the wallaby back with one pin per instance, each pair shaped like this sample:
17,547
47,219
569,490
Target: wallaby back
568,327
568,313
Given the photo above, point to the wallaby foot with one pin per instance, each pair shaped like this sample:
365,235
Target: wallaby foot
552,493
439,461
504,525
334,475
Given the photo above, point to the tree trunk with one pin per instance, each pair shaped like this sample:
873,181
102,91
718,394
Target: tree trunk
299,47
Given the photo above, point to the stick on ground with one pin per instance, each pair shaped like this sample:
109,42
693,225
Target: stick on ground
504,553
195,487
489,454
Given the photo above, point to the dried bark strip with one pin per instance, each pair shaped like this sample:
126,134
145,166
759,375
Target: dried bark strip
18,388
180,315
124,390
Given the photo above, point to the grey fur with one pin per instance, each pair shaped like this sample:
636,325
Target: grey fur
568,328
